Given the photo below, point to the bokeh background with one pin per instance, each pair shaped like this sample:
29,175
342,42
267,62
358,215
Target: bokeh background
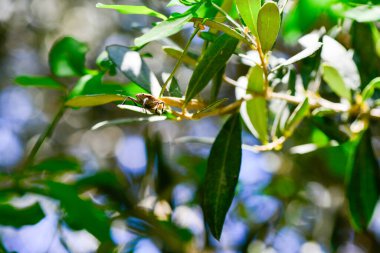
285,202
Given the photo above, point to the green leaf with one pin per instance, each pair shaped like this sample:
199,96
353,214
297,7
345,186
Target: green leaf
208,10
57,165
363,183
335,81
256,79
212,106
217,84
301,111
90,91
258,116
222,175
375,38
93,100
364,13
249,11
131,64
210,63
301,55
174,89
109,183
176,53
67,57
18,217
132,9
278,122
370,88
257,107
80,214
336,55
268,25
38,81
165,115
164,29
330,128
208,36
105,64
221,27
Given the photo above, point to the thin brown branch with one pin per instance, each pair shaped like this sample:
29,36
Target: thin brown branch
263,66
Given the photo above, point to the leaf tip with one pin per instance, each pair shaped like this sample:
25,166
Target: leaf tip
216,234
98,125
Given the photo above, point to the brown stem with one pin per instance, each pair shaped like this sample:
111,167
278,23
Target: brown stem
263,66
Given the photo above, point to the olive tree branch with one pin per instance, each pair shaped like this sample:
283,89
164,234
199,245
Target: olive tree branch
236,24
314,100
264,66
176,67
276,144
47,133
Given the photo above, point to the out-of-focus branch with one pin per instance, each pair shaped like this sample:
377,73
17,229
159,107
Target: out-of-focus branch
47,133
314,100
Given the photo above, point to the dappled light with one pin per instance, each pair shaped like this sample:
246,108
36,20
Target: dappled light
189,126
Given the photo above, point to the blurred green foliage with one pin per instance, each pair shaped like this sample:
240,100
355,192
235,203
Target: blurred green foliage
312,116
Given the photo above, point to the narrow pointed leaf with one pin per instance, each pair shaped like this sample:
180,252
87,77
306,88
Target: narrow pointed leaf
132,9
174,89
370,88
268,25
336,82
164,29
90,91
131,64
258,115
257,107
222,174
221,27
18,217
39,81
176,53
363,183
249,11
240,92
208,36
256,80
296,117
336,55
93,100
67,57
210,63
134,108
217,84
301,55
213,105
127,121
